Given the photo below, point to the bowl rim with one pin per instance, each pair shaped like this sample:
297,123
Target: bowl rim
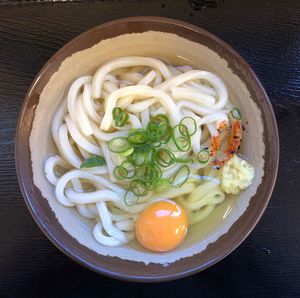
20,164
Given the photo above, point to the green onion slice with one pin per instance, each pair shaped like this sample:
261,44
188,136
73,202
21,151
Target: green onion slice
119,145
190,123
182,129
138,136
182,144
93,161
160,118
125,171
157,144
184,160
140,155
148,173
181,176
236,114
127,152
120,117
203,156
164,157
181,137
120,173
159,129
162,185
165,133
117,111
145,156
130,167
130,198
138,187
122,120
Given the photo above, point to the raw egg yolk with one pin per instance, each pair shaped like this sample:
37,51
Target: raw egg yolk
162,226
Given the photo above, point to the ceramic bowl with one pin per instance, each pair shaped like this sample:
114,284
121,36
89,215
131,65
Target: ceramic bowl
180,43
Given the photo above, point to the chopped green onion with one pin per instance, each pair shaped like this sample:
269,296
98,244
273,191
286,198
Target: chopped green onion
164,157
181,138
93,161
120,173
182,144
125,171
182,129
160,118
162,185
130,167
236,114
130,198
181,176
119,145
127,152
148,173
138,136
158,171
165,134
157,144
144,156
120,117
184,160
203,156
122,120
151,157
159,129
140,154
159,121
117,111
189,122
138,187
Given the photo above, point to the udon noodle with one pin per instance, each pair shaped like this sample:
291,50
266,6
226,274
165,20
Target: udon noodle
143,87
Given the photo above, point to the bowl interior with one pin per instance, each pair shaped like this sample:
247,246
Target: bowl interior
151,37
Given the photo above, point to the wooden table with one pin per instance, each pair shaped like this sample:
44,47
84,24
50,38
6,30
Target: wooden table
267,35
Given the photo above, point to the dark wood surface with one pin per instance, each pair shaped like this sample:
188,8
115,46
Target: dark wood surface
267,35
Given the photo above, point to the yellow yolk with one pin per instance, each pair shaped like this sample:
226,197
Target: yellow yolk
162,226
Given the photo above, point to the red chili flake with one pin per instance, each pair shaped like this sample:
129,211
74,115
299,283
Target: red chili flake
223,125
215,145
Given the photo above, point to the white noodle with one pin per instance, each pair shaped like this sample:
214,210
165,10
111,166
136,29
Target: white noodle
73,94
147,79
145,117
82,118
125,62
143,91
80,139
83,125
193,95
66,149
212,79
89,105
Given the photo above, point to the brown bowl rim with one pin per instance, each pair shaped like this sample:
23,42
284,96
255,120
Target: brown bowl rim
20,163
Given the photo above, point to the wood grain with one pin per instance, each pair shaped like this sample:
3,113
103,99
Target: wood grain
267,35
